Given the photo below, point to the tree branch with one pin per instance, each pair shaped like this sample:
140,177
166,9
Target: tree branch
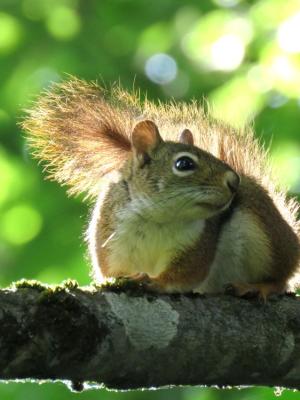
133,340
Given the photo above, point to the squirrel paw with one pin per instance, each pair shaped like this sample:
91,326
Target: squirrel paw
250,290
149,284
144,281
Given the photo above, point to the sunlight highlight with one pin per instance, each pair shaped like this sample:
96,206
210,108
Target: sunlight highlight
161,68
227,52
288,34
283,68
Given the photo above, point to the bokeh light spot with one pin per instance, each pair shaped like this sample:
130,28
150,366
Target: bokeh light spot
283,68
63,23
289,34
10,33
276,100
227,52
20,224
161,68
218,40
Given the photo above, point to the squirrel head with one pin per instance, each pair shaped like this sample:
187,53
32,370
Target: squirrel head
168,179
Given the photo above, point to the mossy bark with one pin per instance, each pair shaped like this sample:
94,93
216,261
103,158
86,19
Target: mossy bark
128,339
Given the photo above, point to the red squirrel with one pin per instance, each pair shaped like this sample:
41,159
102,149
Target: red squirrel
187,203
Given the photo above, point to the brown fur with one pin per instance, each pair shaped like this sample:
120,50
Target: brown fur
192,267
83,133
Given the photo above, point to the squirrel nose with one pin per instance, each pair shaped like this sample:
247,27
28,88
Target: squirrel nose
232,180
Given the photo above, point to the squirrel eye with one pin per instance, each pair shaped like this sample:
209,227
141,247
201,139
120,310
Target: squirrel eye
185,163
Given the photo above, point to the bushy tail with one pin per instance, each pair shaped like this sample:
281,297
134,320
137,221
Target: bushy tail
81,132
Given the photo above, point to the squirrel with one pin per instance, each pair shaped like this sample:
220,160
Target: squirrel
184,202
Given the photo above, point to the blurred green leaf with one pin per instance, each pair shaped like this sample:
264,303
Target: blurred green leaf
244,56
10,33
63,23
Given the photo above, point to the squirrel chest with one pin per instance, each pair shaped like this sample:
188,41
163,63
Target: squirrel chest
141,245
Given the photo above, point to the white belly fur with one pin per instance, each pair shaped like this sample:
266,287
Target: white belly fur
150,247
243,254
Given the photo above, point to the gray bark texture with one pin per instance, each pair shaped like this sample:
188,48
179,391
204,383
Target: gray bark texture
130,339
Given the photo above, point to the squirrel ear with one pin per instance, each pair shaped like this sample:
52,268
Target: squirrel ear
145,137
186,137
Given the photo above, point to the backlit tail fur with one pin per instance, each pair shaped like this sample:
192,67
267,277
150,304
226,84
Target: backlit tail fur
82,132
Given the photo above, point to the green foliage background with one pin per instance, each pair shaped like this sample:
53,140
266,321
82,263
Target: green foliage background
241,55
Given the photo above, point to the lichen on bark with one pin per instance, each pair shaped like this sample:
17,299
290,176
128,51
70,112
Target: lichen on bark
125,338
